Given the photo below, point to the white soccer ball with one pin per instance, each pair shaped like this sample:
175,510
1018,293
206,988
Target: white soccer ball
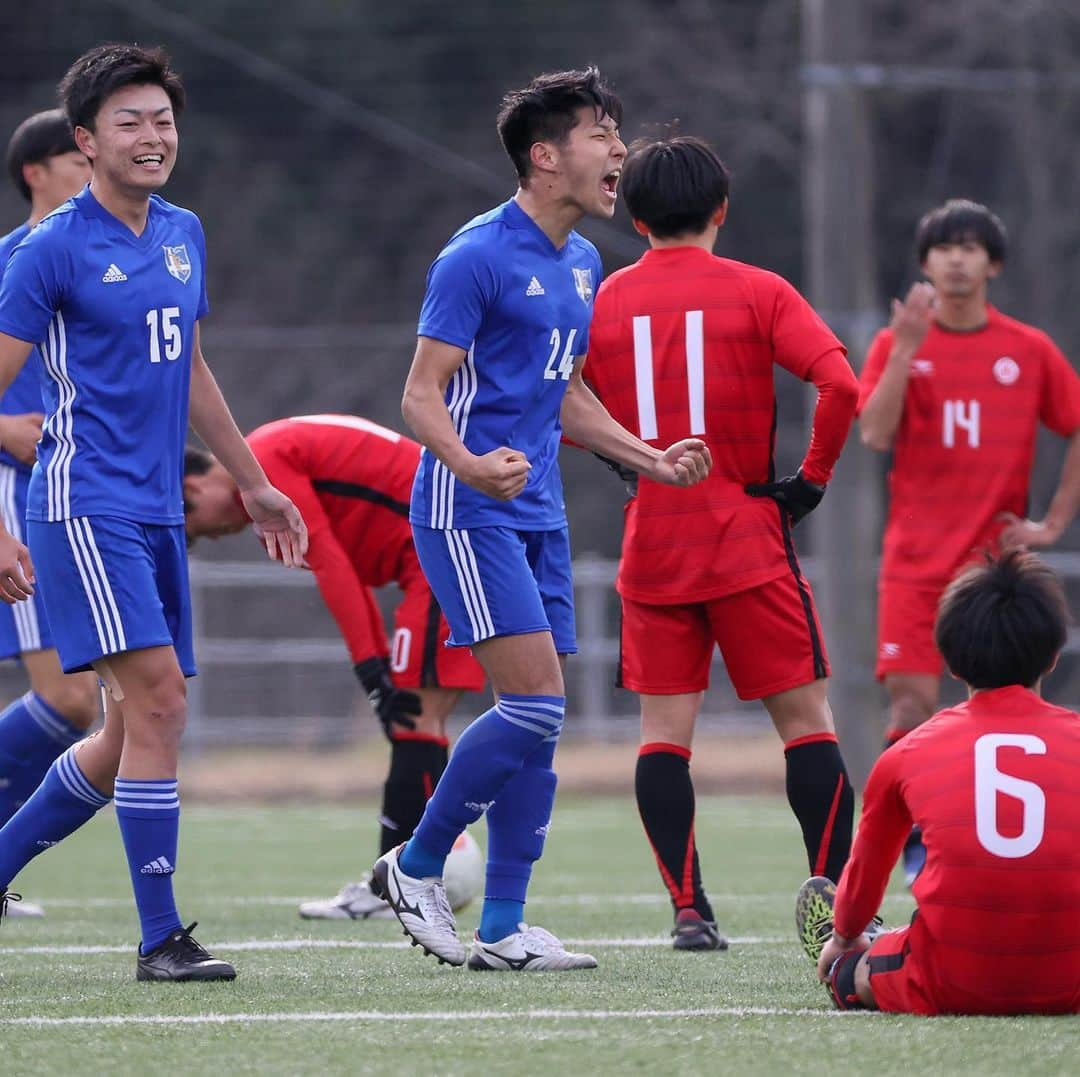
463,875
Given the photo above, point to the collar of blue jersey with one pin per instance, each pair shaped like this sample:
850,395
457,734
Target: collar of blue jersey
518,218
91,207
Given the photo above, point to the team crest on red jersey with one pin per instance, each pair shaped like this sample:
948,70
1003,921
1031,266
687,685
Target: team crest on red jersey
178,263
583,283
1006,370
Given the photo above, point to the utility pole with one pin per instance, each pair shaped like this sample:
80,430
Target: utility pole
840,274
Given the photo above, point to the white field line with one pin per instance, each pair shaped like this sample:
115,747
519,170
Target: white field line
375,1016
267,945
537,899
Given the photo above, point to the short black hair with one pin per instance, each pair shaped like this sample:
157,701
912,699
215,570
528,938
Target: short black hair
1002,622
99,73
674,185
196,461
546,111
39,137
959,221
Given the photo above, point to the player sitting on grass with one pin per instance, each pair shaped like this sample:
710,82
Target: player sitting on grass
992,783
351,480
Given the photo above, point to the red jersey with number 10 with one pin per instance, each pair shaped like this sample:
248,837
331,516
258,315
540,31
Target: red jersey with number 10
966,441
992,783
683,344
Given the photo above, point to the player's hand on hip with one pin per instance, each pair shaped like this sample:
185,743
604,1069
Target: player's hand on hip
912,316
501,473
796,495
683,464
278,524
1019,533
16,571
19,435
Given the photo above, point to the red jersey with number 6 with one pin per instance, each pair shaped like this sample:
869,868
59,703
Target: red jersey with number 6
992,783
683,344
966,441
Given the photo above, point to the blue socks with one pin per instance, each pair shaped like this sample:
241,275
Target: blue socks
60,805
32,735
149,816
486,757
517,828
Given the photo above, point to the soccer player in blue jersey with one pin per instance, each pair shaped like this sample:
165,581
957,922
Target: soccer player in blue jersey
495,380
47,168
113,286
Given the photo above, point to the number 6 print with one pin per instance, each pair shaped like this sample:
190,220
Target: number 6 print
989,782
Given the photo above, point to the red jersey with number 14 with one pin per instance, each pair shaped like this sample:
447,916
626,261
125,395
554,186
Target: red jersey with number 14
683,344
966,441
992,783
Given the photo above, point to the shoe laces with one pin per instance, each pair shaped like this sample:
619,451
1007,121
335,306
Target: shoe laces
436,906
538,938
184,939
5,897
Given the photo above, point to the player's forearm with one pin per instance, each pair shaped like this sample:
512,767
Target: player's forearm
1066,500
212,420
838,396
588,423
423,407
883,410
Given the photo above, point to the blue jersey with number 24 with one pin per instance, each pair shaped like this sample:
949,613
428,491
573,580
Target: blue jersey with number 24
521,310
114,315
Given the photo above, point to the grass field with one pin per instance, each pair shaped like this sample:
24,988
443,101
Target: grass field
353,998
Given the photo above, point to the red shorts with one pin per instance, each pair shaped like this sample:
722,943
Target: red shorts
769,638
897,979
906,630
419,657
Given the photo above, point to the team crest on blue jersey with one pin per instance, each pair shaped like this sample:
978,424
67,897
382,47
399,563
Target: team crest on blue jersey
178,263
583,283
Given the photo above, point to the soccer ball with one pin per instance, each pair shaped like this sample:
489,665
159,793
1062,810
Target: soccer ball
463,875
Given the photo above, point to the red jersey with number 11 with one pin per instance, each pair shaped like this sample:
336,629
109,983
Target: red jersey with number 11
992,783
683,344
966,441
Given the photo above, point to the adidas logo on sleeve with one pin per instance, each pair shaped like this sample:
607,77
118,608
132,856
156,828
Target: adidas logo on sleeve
535,288
113,274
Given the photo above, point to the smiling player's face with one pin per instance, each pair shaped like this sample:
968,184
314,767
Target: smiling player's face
591,162
133,146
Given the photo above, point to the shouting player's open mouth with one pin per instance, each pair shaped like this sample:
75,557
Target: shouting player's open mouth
609,184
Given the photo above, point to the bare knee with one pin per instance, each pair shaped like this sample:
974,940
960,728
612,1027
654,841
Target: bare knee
156,716
436,705
800,712
911,701
670,719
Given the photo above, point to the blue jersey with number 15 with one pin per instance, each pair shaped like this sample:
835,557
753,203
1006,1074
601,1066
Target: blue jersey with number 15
521,310
114,315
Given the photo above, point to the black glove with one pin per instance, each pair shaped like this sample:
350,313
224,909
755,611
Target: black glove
798,495
392,705
628,475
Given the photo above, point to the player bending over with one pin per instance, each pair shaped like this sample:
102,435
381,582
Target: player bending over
47,168
496,377
113,283
685,343
956,391
351,480
992,784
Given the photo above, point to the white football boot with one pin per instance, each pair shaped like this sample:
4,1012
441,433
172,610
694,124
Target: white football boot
421,906
355,901
529,949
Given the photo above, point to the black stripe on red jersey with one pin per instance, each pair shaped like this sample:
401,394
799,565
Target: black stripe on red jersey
888,962
820,669
362,493
429,671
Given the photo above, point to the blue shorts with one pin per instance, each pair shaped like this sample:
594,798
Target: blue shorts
113,585
495,581
24,625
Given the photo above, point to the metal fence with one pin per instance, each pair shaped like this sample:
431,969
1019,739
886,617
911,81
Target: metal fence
274,671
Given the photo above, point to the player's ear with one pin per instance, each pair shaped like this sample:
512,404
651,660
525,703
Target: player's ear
641,228
84,139
993,270
544,156
720,215
32,174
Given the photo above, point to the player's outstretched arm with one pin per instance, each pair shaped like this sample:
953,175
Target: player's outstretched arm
501,473
276,519
588,423
884,407
1062,510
